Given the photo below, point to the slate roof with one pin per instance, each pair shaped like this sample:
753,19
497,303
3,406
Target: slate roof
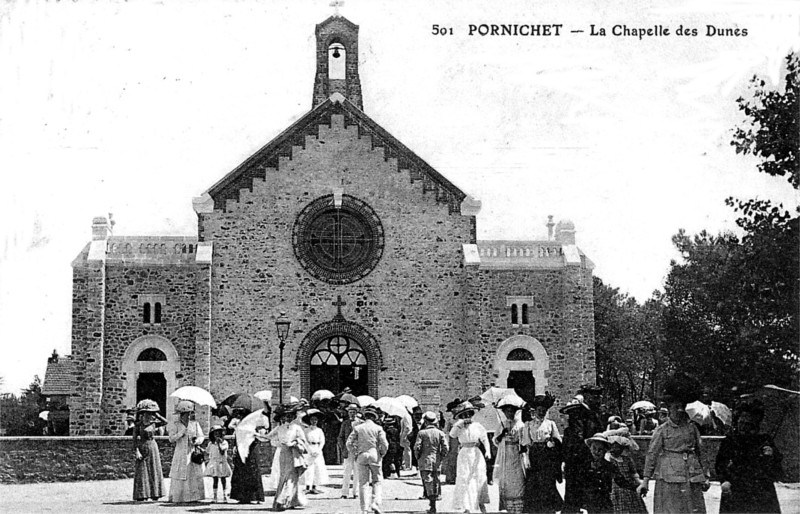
268,156
59,378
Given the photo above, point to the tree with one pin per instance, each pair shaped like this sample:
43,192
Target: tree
731,305
19,415
628,343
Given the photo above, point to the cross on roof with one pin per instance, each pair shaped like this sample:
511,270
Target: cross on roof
336,4
339,303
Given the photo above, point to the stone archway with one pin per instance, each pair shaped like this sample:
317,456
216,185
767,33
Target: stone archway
339,327
522,354
136,365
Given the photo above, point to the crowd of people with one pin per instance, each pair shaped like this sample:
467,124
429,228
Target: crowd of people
527,456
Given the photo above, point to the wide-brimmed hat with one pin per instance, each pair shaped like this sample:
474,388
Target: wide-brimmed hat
429,417
216,428
681,388
462,408
598,437
621,436
147,406
510,401
452,405
590,389
184,406
542,400
574,406
311,412
352,406
370,410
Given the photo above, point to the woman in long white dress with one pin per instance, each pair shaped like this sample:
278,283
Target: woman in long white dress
316,474
472,491
510,469
185,477
292,464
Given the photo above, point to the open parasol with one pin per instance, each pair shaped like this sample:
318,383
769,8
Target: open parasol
322,394
490,418
45,415
195,394
264,395
723,412
642,404
699,412
408,402
246,431
365,400
245,401
393,407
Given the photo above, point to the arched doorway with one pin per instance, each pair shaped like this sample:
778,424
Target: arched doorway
338,354
521,363
338,362
150,366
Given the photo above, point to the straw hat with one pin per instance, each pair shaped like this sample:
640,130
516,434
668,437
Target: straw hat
311,412
147,406
621,436
599,437
184,406
574,406
372,411
429,417
462,408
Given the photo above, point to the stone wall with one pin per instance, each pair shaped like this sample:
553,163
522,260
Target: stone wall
65,459
410,302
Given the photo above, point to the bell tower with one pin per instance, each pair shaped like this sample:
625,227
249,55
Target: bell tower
337,61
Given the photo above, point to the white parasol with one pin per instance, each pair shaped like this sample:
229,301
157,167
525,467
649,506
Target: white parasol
365,400
322,394
393,407
45,415
723,412
490,418
246,431
642,404
408,402
195,394
699,412
264,395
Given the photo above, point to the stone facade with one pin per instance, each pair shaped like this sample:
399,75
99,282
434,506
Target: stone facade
433,318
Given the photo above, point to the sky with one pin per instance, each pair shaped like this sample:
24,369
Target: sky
134,108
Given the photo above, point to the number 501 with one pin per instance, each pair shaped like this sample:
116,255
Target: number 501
436,30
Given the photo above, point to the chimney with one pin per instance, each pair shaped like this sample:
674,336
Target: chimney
565,232
550,226
101,229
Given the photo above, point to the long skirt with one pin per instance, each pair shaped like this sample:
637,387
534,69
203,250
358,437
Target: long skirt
510,477
288,493
541,493
317,472
246,486
193,489
449,463
627,501
148,479
680,497
471,487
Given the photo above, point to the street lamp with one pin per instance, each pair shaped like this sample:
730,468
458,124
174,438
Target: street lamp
282,324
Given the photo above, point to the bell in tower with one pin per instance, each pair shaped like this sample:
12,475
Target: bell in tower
337,61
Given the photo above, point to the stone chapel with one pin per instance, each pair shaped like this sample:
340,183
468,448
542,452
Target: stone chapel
370,252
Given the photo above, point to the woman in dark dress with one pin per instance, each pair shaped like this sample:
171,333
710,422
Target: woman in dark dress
148,479
748,464
246,484
576,455
543,441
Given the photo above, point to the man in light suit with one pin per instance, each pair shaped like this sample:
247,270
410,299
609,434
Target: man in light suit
368,443
430,448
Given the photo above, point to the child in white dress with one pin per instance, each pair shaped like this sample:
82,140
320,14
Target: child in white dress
218,467
317,473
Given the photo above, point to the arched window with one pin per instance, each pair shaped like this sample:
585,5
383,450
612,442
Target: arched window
157,313
524,313
514,315
519,354
146,313
152,354
336,61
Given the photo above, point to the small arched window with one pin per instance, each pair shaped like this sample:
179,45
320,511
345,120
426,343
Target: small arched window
157,313
152,354
519,354
524,313
146,313
336,61
514,315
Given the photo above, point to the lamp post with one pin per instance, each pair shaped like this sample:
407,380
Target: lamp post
282,324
